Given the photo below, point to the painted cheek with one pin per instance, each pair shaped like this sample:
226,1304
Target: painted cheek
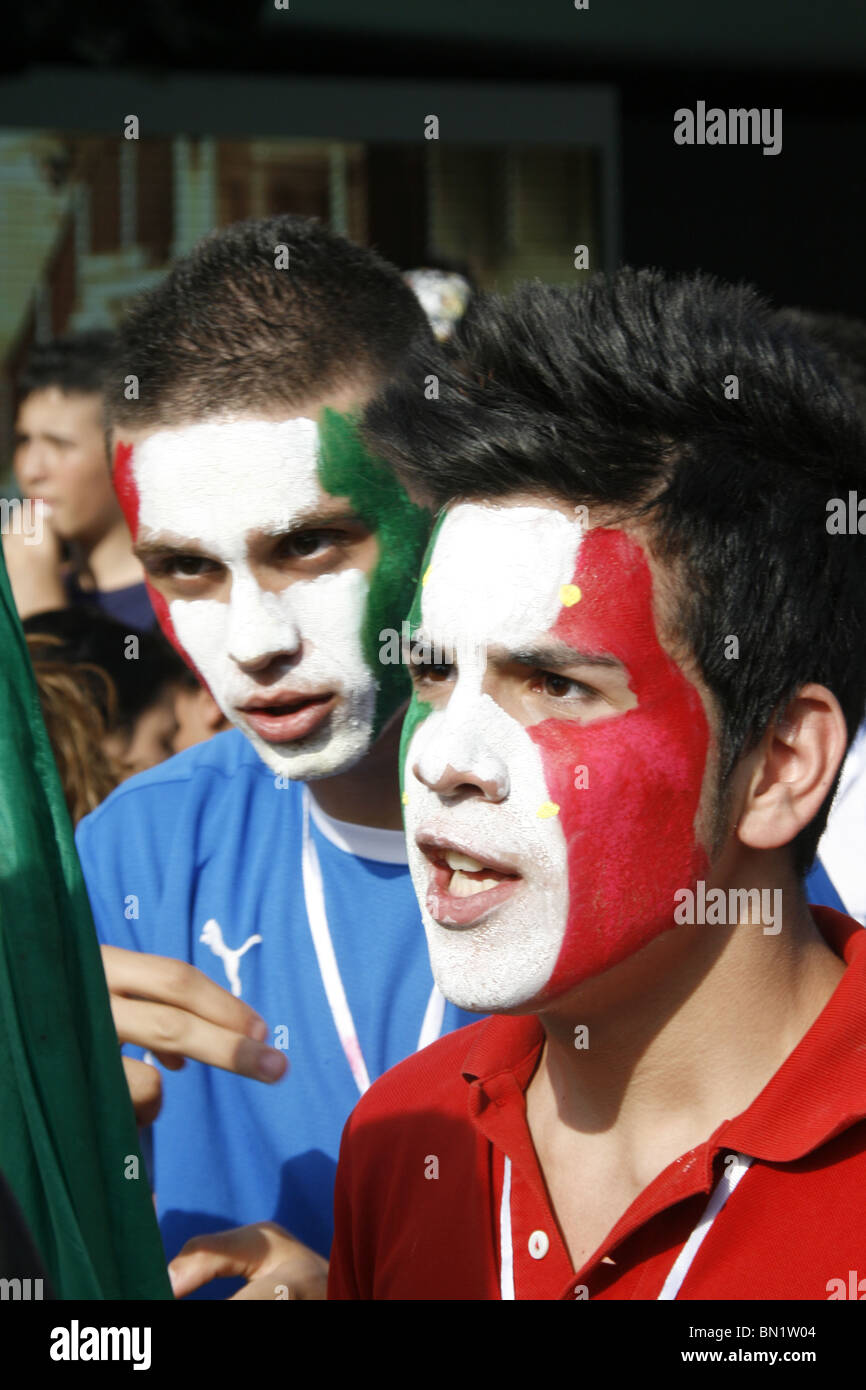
126,489
628,787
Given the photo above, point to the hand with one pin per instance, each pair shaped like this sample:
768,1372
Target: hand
175,1011
33,563
274,1264
145,1089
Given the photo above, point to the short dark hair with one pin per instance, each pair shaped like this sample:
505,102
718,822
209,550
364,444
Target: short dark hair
843,338
77,364
231,328
622,393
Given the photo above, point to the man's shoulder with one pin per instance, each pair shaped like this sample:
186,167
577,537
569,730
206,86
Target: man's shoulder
199,772
427,1081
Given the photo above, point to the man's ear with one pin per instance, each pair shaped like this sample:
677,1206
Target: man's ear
793,769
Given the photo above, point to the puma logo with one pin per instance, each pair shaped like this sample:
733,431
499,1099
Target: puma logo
212,936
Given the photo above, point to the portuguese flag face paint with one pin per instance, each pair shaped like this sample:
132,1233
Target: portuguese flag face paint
68,1143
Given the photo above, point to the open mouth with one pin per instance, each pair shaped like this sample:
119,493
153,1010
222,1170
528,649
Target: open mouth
286,721
462,889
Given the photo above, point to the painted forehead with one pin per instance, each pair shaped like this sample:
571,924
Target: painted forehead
497,573
221,479
515,577
257,474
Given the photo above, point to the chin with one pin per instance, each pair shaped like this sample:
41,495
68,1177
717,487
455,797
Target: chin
336,747
485,970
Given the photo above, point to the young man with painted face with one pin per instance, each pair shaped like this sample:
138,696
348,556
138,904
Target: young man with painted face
641,658
277,549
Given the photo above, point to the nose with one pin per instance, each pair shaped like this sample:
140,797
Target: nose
262,626
457,761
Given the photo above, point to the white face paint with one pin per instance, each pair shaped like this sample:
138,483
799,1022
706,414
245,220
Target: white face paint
216,483
496,578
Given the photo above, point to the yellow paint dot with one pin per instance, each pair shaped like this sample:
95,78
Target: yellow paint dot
426,575
405,798
569,595
549,809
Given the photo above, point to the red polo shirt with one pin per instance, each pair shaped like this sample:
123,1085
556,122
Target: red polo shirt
422,1162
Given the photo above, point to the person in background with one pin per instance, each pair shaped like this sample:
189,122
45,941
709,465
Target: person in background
75,726
276,908
79,550
197,714
132,680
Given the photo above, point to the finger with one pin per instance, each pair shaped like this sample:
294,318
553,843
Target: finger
145,1089
265,1289
220,1255
170,1060
165,1030
168,981
284,1282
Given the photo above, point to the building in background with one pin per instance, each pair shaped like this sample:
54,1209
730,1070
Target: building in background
88,221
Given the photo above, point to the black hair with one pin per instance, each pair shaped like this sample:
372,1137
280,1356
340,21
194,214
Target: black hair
686,403
77,364
843,338
86,638
262,314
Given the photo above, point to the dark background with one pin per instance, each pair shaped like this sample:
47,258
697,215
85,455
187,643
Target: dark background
793,224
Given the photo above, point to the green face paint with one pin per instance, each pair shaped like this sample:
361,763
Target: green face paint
347,469
418,709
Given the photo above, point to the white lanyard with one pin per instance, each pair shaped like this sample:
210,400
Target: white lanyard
681,1265
314,896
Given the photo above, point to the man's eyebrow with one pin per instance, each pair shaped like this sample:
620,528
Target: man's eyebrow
311,521
561,658
153,546
22,437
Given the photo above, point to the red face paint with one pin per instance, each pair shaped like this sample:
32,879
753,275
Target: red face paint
126,489
630,832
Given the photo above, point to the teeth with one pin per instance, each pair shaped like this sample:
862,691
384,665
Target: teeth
463,887
455,860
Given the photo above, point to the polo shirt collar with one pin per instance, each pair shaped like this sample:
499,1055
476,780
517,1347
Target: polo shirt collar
818,1092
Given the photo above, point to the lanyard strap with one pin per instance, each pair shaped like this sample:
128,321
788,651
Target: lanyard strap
314,896
681,1265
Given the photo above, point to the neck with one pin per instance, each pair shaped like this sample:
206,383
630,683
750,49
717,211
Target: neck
686,1033
369,793
108,559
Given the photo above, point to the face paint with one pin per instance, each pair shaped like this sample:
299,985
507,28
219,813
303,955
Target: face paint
586,826
300,651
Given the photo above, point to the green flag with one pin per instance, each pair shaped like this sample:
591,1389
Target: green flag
68,1141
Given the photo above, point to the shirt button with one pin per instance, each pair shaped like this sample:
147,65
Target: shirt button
538,1245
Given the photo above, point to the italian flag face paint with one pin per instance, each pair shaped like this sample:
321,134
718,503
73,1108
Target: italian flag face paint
215,487
545,849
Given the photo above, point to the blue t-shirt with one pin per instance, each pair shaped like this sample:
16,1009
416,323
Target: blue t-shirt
130,605
212,835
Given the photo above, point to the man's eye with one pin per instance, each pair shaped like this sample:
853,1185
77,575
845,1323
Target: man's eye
436,671
192,566
305,544
562,687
